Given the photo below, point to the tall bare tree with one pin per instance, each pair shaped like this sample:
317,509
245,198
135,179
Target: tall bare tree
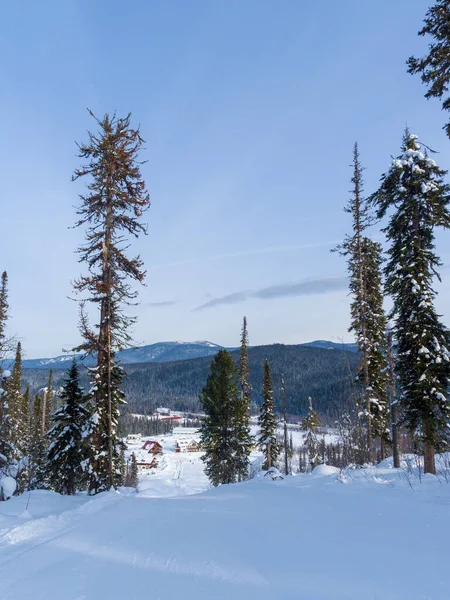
111,211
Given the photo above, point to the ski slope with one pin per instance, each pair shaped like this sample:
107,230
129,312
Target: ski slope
372,535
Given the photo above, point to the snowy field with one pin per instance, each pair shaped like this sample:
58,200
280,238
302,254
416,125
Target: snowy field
375,534
177,474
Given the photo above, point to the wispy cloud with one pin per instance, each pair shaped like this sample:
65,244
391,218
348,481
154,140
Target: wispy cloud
248,252
161,304
307,287
235,298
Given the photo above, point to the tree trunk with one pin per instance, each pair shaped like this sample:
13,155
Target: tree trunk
429,465
393,401
104,354
395,448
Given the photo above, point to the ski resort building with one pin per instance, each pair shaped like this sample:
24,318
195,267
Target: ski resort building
153,447
187,445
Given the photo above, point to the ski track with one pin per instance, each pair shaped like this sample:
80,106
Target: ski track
309,537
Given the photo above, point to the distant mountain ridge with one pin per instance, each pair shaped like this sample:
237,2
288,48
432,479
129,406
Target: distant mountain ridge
163,352
325,375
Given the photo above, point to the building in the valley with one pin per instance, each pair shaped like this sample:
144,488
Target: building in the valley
187,445
153,447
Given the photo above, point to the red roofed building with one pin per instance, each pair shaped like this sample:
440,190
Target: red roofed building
153,447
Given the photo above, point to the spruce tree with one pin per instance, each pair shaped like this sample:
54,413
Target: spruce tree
243,435
416,197
4,435
132,480
375,318
47,405
434,67
16,423
393,401
37,447
311,443
285,428
368,321
111,211
220,401
4,307
66,451
268,422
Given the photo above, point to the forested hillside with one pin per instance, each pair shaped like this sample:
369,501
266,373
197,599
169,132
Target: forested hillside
322,374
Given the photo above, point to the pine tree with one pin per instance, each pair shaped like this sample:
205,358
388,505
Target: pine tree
37,447
376,321
368,321
16,423
285,428
243,421
311,443
268,422
434,67
66,451
133,479
111,210
24,410
4,434
4,307
393,401
47,405
415,195
221,404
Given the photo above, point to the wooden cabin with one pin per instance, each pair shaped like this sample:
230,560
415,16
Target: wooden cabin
153,447
187,445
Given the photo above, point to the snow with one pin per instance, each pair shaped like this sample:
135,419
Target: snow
7,486
296,538
325,470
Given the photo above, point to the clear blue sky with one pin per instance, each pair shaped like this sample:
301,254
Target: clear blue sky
249,109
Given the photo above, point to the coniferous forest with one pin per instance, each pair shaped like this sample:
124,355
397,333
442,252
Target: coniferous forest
62,430
132,467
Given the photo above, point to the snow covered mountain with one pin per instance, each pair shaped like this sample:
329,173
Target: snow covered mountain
159,352
163,352
332,345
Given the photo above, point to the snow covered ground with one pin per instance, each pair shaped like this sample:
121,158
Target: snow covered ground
375,534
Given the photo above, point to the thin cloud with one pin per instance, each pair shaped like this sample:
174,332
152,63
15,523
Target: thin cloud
249,252
161,304
235,298
303,288
309,287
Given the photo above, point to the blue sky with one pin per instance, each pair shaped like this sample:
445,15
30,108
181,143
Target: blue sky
249,109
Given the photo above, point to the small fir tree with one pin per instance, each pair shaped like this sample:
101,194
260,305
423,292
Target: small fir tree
4,307
47,405
133,478
37,448
368,321
415,195
285,427
309,425
220,401
16,421
243,435
268,441
66,451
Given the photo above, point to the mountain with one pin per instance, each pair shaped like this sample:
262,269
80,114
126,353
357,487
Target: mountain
163,352
332,345
160,352
308,371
